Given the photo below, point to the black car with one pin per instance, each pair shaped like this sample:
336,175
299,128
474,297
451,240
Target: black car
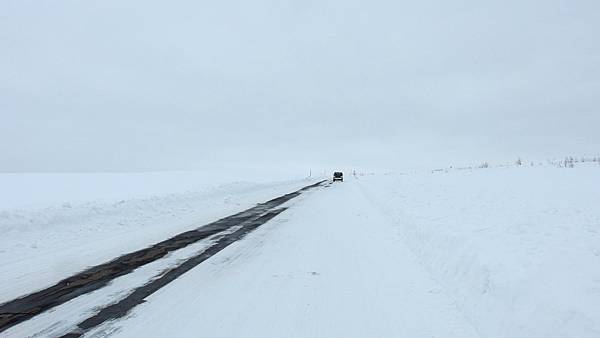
338,176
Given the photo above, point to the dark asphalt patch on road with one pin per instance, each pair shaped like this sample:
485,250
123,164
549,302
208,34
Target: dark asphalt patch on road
23,308
123,307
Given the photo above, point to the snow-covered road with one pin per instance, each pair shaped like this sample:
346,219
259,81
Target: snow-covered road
40,246
56,301
330,266
497,252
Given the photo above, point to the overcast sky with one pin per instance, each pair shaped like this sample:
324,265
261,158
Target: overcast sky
156,85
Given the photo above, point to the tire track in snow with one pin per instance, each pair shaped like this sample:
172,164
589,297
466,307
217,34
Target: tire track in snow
121,308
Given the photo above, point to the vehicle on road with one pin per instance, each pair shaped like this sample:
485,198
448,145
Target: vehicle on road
338,176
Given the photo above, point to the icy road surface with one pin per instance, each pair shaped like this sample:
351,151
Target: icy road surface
330,266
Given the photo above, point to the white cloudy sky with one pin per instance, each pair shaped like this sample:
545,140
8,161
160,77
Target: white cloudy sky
155,85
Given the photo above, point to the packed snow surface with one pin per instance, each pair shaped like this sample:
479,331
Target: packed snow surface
331,266
494,252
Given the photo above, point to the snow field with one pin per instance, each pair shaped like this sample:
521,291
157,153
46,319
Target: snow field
517,247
